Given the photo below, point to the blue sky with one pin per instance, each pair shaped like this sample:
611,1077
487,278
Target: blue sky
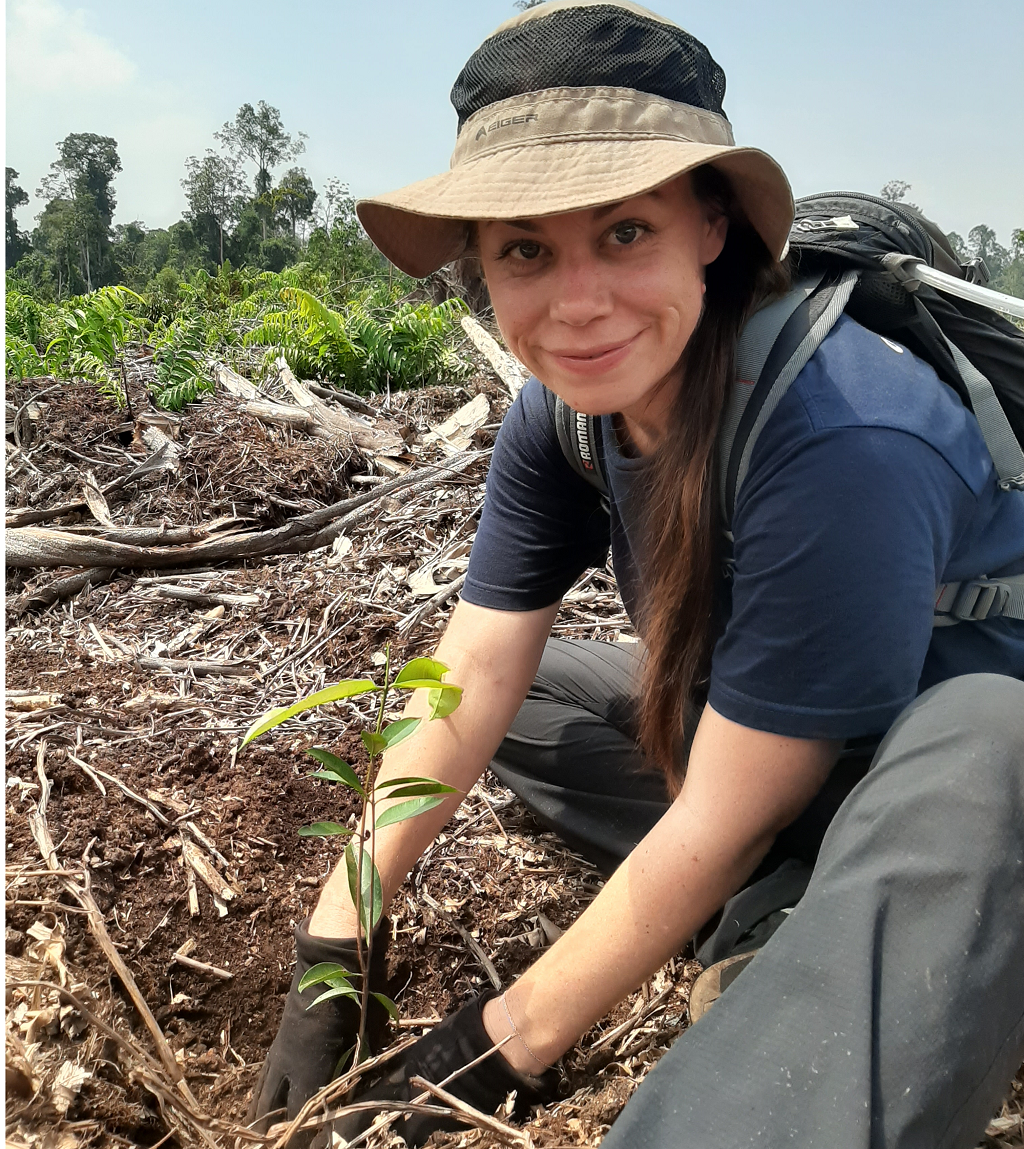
845,96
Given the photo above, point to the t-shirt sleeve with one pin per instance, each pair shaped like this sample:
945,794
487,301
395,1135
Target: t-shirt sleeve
840,545
542,525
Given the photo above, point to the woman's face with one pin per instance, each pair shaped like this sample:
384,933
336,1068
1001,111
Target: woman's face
600,303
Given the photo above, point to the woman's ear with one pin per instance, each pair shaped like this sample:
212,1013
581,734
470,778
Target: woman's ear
715,231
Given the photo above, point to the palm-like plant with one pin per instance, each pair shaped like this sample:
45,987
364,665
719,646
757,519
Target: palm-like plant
370,345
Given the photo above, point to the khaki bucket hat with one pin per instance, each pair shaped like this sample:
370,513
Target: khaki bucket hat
576,104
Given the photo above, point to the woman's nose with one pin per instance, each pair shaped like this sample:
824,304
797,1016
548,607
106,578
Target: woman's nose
581,292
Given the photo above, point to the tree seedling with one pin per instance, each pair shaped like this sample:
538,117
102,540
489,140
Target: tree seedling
420,794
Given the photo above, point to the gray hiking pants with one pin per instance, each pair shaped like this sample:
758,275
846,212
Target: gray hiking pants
888,1009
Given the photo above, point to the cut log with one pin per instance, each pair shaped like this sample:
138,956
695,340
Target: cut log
30,547
508,369
379,440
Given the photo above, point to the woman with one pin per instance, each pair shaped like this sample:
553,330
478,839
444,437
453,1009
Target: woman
625,240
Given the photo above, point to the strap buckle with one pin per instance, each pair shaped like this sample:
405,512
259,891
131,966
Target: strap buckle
974,600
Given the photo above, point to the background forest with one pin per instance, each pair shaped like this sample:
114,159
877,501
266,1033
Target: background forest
260,259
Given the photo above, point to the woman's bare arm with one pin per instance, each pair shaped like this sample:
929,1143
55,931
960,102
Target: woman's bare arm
742,787
494,656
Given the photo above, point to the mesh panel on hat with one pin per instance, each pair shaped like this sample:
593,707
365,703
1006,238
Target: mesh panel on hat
601,45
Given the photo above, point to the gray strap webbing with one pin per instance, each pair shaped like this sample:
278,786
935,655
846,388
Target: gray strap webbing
797,361
995,427
980,598
752,351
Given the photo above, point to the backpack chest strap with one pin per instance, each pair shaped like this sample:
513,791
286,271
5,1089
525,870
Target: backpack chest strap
977,599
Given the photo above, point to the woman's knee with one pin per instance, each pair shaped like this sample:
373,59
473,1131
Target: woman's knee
984,709
961,745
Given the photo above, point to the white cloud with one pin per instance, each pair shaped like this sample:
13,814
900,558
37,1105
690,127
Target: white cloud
51,49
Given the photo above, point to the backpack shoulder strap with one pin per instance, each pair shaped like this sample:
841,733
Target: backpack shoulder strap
773,348
578,440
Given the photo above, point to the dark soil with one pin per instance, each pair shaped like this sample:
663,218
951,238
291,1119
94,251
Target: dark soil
492,874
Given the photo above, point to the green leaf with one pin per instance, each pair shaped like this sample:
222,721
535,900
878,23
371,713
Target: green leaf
388,1004
375,743
406,810
349,688
420,684
339,991
371,902
323,830
442,702
336,770
322,971
420,668
421,786
398,731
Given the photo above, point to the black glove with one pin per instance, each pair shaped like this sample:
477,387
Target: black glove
458,1040
310,1042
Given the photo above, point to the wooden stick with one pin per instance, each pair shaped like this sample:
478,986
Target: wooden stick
215,971
204,870
472,1116
83,895
207,599
199,667
129,792
426,609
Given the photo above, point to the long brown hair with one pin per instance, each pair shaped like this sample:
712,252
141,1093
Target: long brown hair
682,520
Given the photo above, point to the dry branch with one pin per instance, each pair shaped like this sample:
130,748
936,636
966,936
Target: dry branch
30,547
206,599
505,367
199,667
61,588
23,517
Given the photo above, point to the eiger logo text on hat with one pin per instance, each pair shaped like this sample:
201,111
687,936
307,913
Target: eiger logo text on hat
524,119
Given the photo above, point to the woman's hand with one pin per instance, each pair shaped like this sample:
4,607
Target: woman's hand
742,787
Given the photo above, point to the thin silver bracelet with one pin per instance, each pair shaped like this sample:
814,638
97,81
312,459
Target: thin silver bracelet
522,1040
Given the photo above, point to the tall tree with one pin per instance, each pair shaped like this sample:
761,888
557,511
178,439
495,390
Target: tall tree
213,187
18,243
297,196
982,244
258,134
58,237
83,175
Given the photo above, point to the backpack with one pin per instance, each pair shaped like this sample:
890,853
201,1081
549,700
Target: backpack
894,272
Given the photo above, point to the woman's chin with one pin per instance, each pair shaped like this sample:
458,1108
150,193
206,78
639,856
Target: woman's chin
595,397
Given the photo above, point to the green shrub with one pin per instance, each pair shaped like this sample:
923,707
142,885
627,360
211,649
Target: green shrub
370,344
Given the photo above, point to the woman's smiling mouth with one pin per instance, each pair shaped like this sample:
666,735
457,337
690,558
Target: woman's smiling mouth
596,359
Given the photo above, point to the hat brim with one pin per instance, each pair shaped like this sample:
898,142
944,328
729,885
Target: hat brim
423,226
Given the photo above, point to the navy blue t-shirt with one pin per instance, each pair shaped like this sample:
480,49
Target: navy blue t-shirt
868,487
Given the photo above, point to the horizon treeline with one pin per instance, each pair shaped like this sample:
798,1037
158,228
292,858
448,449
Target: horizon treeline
239,211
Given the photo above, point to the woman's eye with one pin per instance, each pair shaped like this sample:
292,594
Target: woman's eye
527,249
626,233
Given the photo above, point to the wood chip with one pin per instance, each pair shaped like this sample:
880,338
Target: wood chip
205,871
